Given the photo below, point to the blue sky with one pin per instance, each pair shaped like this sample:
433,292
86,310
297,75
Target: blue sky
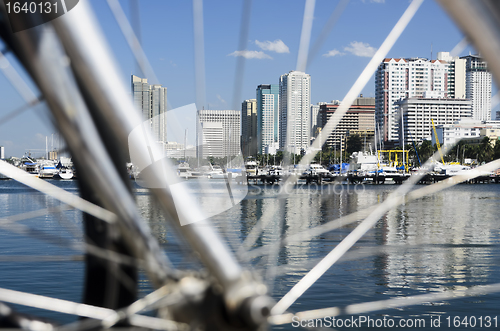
272,45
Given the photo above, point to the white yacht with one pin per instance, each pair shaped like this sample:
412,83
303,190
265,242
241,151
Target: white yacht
64,173
183,170
316,169
47,169
251,168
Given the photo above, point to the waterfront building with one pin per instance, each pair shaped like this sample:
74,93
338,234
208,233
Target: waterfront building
151,101
398,79
218,133
249,127
471,130
478,87
418,114
359,119
2,153
176,150
267,117
456,75
294,111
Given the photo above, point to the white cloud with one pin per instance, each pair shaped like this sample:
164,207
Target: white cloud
220,99
333,52
277,46
360,49
250,54
375,1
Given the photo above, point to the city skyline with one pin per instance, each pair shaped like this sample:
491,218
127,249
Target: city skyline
272,49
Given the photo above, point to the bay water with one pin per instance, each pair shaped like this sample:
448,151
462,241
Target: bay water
448,241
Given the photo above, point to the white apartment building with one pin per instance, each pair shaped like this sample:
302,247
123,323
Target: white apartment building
456,75
294,111
397,79
450,134
418,114
478,87
151,101
267,118
218,133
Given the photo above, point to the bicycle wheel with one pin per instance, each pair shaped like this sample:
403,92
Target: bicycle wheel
96,124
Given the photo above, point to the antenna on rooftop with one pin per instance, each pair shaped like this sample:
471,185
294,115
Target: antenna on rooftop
431,51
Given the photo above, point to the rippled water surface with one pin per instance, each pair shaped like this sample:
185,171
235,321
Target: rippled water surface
447,241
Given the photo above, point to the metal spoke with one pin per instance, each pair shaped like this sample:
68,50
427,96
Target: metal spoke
78,309
199,53
327,28
19,111
386,304
242,45
15,79
40,258
132,40
391,202
56,192
305,36
352,94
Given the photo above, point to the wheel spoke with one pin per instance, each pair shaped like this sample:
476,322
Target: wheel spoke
367,307
395,199
56,192
19,111
305,36
327,28
80,309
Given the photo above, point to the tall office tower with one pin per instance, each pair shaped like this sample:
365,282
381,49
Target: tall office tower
2,153
397,79
249,127
218,133
151,100
267,118
294,110
478,87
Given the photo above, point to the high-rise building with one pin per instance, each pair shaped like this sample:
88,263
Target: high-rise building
267,117
218,133
359,119
419,113
478,87
456,75
249,127
2,153
397,79
315,119
151,100
294,110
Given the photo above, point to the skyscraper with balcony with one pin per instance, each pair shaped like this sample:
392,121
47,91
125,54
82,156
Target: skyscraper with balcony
249,127
267,117
151,101
294,111
397,79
